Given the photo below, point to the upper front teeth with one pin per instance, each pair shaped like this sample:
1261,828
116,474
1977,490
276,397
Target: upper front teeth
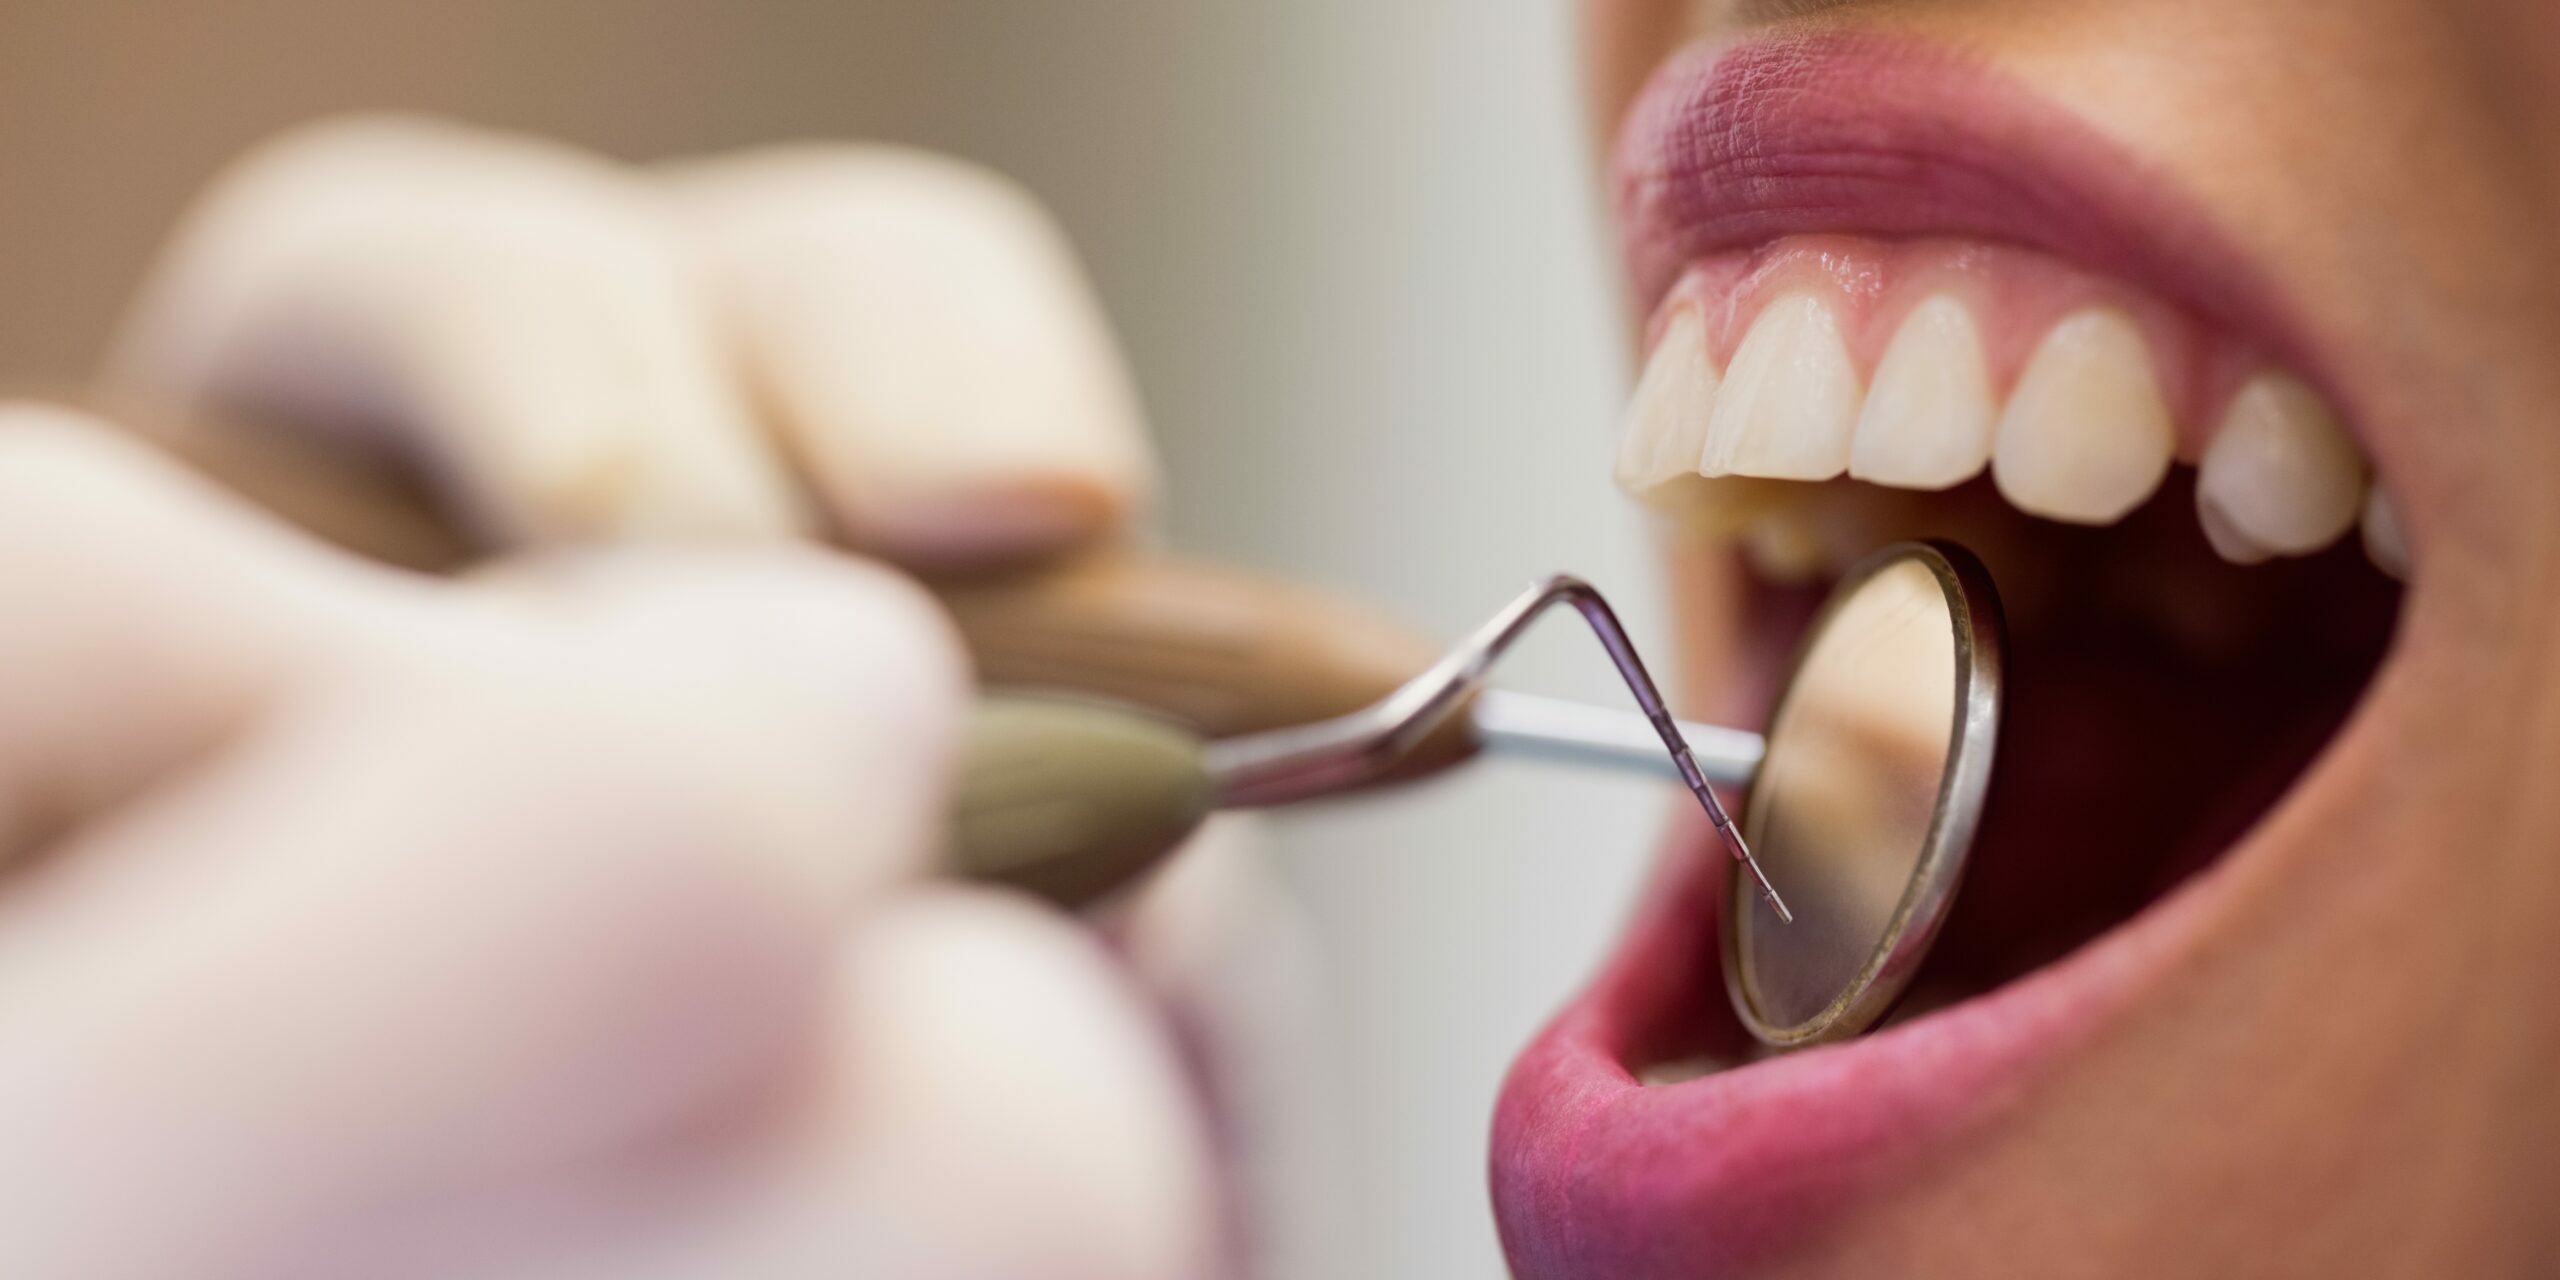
2085,435
1928,420
1666,425
1790,398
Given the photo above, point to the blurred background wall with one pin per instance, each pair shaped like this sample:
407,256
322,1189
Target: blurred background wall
1353,250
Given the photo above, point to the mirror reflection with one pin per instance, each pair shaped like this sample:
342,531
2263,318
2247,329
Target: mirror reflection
1840,813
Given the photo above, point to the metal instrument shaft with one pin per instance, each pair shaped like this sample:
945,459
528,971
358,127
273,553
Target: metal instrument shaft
1303,761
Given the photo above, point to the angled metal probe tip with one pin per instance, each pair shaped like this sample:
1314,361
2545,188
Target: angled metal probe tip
1742,853
1642,685
1309,760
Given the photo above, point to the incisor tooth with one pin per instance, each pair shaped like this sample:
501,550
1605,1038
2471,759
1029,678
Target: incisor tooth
1789,400
1927,424
2281,478
2383,539
2086,436
1666,423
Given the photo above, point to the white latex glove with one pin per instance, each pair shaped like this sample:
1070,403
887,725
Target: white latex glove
872,342
564,922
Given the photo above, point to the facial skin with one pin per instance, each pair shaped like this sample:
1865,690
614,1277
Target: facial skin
2343,1064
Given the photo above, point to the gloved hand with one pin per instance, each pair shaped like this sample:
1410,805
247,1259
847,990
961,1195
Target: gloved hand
565,919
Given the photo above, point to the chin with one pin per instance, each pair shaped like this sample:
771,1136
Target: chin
2213,998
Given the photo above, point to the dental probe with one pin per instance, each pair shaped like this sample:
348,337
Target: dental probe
1281,765
1071,798
1571,733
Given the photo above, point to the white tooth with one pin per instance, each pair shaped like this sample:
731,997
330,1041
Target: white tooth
1666,422
1927,424
2281,478
2086,436
1789,400
2383,539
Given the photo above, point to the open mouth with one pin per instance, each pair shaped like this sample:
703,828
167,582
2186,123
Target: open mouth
1892,299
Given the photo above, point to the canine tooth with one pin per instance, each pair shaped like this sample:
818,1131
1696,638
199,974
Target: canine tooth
2383,539
1927,424
1789,400
1666,422
2086,436
2281,478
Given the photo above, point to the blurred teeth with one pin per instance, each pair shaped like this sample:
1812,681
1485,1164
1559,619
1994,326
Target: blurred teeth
2383,541
1666,426
2085,436
1786,546
2280,478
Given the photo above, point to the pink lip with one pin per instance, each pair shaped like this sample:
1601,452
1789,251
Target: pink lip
1734,145
1594,1172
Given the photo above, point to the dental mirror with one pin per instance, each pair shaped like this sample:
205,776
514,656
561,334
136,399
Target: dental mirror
1866,800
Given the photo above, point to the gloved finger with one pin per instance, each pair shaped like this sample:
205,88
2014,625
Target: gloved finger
995,1068
984,1098
989,1131
920,335
1222,946
510,316
152,617
515,891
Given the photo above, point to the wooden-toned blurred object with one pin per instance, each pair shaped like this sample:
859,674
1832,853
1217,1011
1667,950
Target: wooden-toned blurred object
1154,657
1219,650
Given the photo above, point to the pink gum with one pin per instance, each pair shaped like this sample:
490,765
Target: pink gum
2016,297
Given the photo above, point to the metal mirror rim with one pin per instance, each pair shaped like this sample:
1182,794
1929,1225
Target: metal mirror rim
1973,607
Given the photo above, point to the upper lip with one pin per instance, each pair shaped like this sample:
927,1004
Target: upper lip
1595,1173
1735,144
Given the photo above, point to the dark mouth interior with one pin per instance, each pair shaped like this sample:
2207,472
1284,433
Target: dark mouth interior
2160,700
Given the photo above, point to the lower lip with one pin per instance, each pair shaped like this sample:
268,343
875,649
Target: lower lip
1597,1173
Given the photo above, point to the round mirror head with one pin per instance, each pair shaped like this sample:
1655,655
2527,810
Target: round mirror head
1865,805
